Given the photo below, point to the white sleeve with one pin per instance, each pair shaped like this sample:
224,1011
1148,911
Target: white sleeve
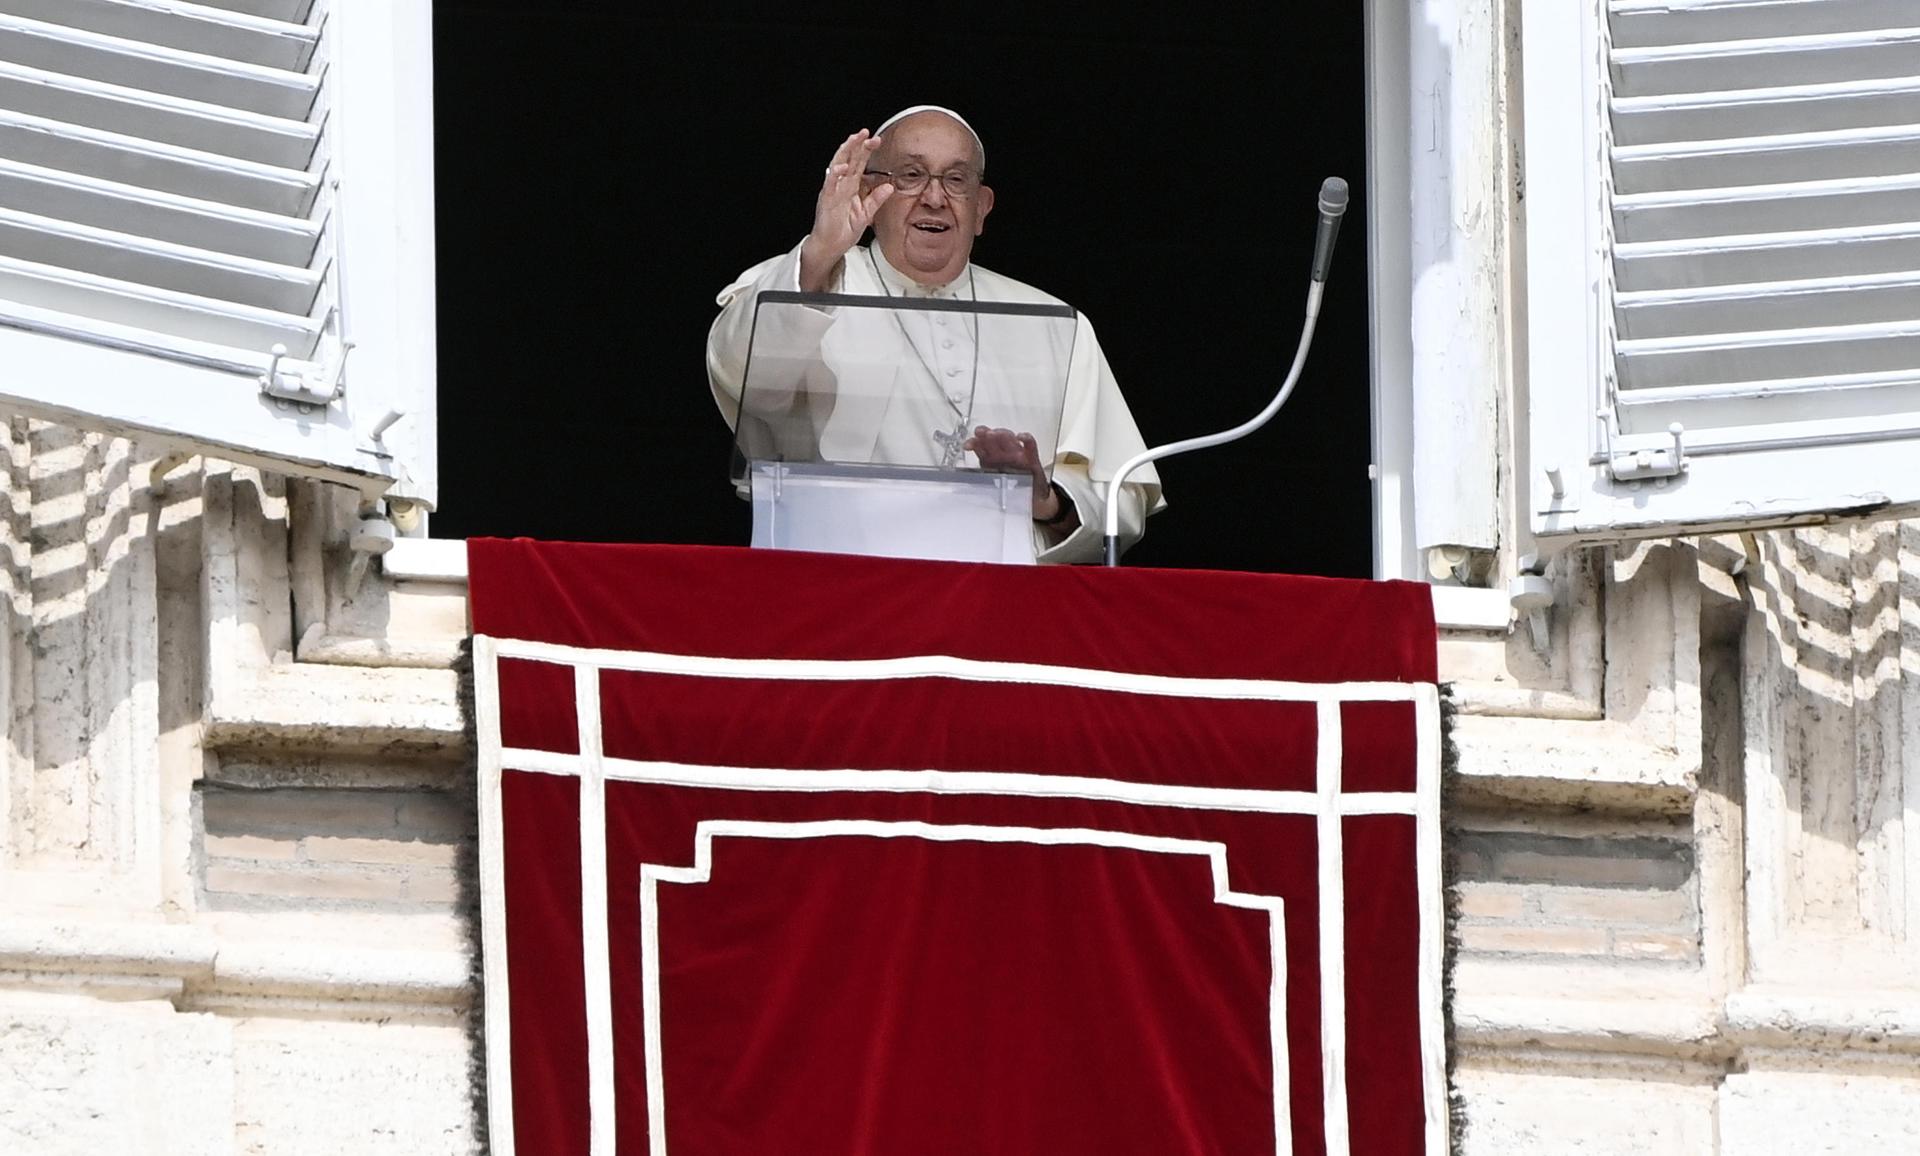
1088,540
800,330
1097,435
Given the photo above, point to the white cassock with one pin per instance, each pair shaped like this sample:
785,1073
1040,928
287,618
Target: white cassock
972,378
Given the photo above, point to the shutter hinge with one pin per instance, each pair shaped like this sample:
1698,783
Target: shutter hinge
1638,465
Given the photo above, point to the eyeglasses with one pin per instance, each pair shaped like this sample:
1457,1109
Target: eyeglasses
958,183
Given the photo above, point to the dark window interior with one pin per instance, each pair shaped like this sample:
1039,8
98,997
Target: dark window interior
605,167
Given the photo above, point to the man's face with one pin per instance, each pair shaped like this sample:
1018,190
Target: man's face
929,235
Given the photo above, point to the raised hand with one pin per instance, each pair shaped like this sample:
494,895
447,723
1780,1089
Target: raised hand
840,214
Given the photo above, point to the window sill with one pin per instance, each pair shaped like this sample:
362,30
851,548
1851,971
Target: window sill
427,560
445,560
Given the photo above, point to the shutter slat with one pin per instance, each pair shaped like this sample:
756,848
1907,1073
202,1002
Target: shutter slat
154,165
1847,202
1853,152
287,11
177,24
1759,111
89,297
1769,305
1767,257
1765,236
162,216
171,120
1852,406
170,71
1642,23
1785,60
1877,347
162,264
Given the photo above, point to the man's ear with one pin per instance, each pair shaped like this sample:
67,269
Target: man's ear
986,206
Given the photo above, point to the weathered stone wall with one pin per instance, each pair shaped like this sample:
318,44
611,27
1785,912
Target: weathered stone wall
1684,916
229,904
329,848
1573,885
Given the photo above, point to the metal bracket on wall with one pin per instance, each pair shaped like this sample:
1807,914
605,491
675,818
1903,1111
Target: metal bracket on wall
1531,593
372,537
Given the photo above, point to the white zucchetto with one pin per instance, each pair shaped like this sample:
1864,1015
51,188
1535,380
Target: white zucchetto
904,113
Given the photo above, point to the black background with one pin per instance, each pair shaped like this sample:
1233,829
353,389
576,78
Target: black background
604,168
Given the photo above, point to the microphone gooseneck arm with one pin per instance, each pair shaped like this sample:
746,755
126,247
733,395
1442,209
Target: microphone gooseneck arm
1333,204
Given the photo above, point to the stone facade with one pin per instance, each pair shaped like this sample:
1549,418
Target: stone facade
230,915
1683,837
1685,903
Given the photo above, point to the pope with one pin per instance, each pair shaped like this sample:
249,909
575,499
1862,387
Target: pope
918,184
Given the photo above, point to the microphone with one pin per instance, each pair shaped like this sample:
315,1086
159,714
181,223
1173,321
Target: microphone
1333,205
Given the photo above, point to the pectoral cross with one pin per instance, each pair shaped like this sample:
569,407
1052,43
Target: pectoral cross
952,445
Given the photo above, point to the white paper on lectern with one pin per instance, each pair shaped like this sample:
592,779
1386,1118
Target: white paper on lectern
893,512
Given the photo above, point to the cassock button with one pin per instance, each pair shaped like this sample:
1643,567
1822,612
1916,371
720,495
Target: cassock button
939,321
947,344
954,371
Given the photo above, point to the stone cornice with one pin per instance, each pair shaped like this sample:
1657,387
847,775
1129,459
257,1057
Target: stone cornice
195,966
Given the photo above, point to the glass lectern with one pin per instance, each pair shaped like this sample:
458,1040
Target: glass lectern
855,411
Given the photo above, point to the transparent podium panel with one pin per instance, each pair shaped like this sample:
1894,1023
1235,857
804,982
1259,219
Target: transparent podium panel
899,381
888,391
893,511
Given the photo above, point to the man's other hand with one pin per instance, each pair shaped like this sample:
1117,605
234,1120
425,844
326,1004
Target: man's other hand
1006,452
841,214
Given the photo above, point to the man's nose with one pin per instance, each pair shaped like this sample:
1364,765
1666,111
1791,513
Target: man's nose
935,194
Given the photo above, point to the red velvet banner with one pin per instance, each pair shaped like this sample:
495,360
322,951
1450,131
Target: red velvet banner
791,853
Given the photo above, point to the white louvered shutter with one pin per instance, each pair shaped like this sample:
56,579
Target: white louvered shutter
185,187
1723,227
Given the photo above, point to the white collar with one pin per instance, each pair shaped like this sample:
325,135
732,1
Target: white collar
901,285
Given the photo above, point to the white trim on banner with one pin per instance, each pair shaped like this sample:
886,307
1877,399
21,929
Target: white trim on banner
1277,1034
1332,899
963,669
602,1101
1433,919
963,783
493,897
